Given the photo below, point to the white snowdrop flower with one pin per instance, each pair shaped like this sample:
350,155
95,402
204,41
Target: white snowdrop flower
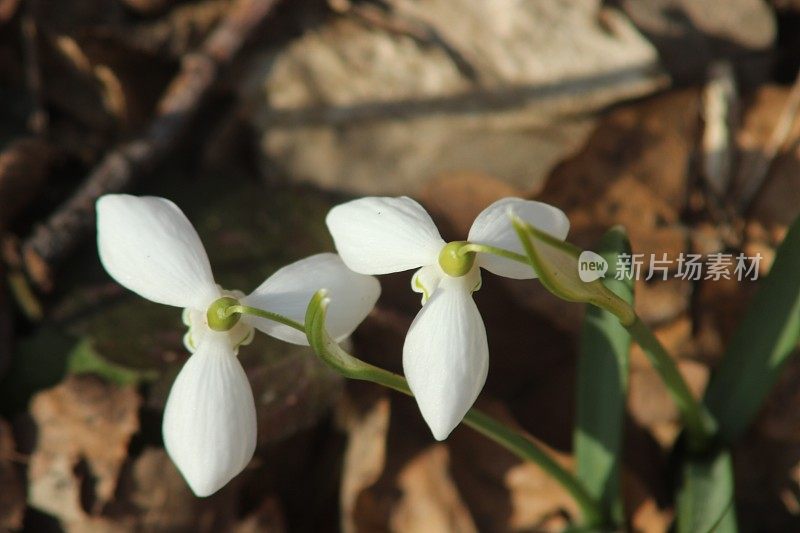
149,246
445,355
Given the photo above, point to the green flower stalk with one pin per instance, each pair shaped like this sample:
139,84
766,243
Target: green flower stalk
446,350
556,262
510,439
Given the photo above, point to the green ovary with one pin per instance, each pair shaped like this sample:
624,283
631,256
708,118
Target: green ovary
452,262
218,319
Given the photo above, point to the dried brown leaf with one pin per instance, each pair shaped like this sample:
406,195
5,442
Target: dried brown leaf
645,515
649,401
160,499
778,202
503,492
365,456
430,502
84,426
537,501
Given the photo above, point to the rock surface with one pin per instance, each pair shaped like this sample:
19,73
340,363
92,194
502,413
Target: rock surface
691,35
449,86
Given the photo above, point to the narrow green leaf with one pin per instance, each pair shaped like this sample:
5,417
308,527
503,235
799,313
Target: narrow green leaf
557,265
728,523
705,498
762,344
602,385
84,359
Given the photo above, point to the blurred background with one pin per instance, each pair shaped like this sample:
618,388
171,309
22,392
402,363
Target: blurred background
674,118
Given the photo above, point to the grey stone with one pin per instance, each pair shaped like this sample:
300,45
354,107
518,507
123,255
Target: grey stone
690,35
355,107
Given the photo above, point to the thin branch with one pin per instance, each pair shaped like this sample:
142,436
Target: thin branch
38,119
120,167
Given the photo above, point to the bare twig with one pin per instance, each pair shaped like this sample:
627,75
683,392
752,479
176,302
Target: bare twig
59,235
383,17
16,286
755,175
38,120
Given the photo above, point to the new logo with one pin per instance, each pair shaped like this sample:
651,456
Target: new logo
591,266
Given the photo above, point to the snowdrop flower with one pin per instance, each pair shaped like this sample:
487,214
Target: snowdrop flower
445,355
149,246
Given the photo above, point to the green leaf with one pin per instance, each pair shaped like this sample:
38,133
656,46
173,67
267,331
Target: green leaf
728,523
556,264
84,359
705,498
602,385
42,360
761,346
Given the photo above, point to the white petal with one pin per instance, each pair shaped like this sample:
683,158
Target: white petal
149,246
426,280
493,227
210,417
378,235
289,290
446,357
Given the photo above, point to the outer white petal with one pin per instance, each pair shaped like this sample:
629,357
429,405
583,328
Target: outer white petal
289,290
210,418
149,246
378,235
493,227
446,357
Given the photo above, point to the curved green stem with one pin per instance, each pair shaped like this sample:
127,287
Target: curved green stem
700,425
528,450
486,249
556,263
349,366
261,313
512,440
